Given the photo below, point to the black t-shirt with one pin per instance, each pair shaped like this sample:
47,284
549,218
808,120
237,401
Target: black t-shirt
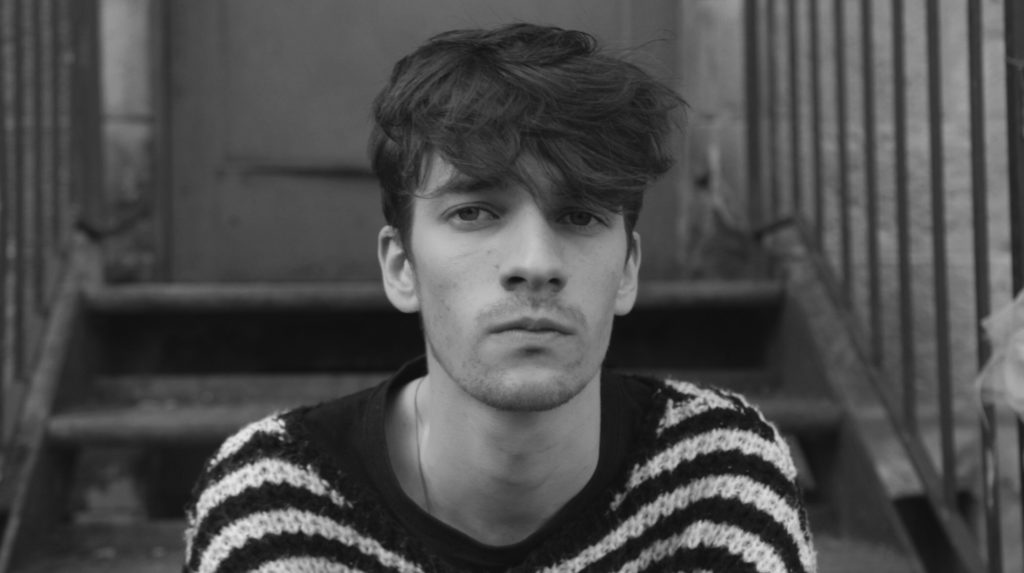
351,432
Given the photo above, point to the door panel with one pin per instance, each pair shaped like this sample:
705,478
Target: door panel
270,110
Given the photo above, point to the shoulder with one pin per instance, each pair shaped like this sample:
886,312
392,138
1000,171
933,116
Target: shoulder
684,411
275,496
264,493
720,475
255,470
696,405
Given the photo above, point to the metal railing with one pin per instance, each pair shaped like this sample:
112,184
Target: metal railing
824,172
49,168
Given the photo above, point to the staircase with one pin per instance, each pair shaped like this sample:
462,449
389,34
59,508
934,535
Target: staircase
153,377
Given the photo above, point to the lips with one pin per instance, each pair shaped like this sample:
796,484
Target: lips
534,324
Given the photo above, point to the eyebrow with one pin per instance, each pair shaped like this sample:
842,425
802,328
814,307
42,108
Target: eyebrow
464,184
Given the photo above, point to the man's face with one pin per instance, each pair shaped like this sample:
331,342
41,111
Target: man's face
517,294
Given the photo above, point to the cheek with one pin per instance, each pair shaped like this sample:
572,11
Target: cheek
605,275
443,295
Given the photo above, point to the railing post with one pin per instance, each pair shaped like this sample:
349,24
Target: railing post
1014,31
839,23
982,282
871,180
795,148
939,252
752,51
774,193
818,190
5,206
907,345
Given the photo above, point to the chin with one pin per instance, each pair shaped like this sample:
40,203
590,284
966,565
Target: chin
527,389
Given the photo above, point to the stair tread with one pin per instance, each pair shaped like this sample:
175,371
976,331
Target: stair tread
230,388
162,423
363,295
839,555
166,421
306,387
158,547
133,547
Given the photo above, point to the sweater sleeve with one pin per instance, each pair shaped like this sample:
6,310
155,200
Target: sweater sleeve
233,485
267,501
259,504
718,492
748,482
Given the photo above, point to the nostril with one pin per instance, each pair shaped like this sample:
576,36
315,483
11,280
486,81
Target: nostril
514,280
533,282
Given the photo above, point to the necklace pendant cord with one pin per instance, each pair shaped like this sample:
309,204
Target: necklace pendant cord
419,455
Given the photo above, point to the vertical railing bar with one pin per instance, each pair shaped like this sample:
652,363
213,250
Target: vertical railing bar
819,202
75,107
773,115
18,252
752,70
871,180
92,158
844,188
95,109
50,160
39,179
795,159
982,283
77,110
56,63
941,280
907,343
5,206
1014,31
68,117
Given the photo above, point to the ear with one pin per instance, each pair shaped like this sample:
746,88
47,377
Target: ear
625,297
397,271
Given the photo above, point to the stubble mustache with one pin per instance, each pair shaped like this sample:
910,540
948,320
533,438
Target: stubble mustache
520,307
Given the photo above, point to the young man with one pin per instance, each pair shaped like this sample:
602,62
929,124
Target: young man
513,163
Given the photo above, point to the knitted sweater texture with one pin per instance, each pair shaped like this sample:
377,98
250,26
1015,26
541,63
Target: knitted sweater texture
709,487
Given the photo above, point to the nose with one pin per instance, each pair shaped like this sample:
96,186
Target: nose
534,261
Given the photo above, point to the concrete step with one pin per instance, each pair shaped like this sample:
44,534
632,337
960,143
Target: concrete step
132,547
178,328
355,295
158,547
207,409
300,387
838,555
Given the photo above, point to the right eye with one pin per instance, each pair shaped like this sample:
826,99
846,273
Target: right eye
471,216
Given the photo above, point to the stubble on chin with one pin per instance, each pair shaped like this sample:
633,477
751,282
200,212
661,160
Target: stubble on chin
519,388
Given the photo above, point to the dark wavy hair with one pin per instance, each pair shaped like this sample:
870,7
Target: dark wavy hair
484,99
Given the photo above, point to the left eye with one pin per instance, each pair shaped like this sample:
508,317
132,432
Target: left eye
471,216
580,218
469,213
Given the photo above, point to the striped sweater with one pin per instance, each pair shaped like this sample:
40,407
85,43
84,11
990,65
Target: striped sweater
708,485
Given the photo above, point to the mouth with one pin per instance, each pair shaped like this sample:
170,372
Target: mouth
538,325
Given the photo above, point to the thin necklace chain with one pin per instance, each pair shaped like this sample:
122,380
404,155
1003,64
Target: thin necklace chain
419,458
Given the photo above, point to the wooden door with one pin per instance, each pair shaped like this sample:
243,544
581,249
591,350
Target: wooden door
269,111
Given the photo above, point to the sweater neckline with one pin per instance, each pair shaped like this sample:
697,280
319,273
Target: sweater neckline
616,434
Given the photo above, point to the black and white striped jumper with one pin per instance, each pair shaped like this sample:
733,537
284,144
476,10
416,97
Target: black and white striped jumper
689,479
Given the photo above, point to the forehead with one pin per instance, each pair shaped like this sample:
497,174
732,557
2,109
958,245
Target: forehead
435,174
440,177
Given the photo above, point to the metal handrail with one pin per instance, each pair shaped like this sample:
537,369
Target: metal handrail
49,169
768,102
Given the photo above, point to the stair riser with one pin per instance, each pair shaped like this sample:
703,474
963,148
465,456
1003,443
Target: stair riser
380,340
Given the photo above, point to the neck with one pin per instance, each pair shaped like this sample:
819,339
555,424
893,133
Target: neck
497,476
